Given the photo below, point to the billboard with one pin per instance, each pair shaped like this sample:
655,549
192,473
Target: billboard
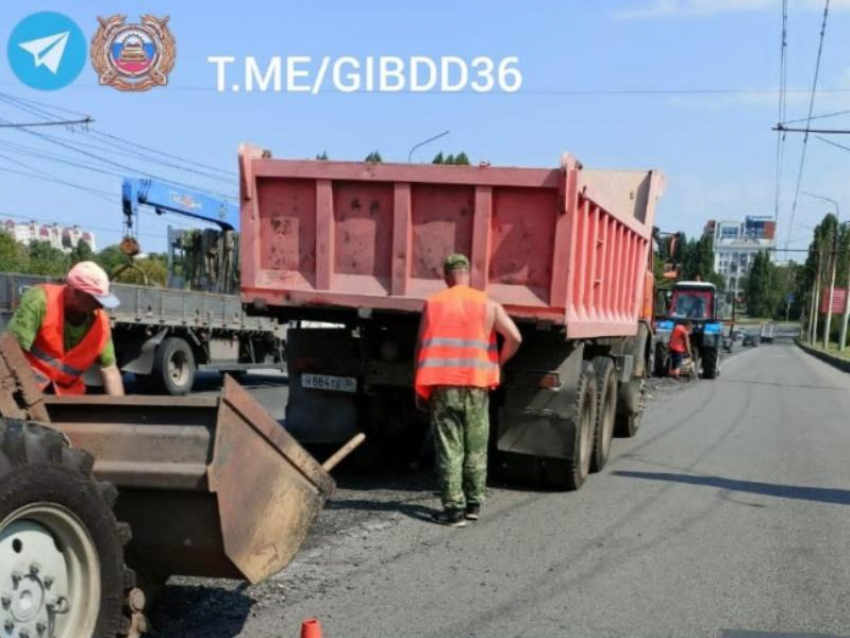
838,299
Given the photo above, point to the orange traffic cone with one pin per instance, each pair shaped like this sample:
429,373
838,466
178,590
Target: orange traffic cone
311,628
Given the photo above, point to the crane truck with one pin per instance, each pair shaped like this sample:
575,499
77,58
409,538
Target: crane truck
164,335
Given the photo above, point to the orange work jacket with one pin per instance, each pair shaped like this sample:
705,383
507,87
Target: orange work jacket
456,349
47,355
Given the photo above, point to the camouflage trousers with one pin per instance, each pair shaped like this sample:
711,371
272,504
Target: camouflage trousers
461,425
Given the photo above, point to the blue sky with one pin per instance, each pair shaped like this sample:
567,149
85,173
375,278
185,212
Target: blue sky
579,60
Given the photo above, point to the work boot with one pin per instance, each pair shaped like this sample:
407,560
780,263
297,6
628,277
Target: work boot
473,511
451,516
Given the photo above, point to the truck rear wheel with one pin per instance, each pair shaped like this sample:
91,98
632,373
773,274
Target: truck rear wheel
62,568
570,474
630,410
174,366
659,361
606,411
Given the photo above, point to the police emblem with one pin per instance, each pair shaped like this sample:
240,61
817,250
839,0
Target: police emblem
133,57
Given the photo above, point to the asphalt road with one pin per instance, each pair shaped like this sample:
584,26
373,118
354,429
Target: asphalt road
728,515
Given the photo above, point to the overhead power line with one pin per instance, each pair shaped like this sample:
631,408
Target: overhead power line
783,122
809,118
85,121
831,143
40,109
131,169
42,174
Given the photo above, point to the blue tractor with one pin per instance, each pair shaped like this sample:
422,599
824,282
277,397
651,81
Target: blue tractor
695,301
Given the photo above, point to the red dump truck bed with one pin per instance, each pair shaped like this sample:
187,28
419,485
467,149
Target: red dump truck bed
565,245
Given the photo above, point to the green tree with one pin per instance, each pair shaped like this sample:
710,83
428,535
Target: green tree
81,252
151,270
153,266
696,258
761,288
784,282
13,256
322,156
111,259
827,236
374,157
44,259
461,159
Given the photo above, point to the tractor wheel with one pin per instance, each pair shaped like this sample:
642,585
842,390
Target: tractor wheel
710,364
62,570
606,411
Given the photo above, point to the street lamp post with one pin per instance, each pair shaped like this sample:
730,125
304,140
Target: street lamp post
423,143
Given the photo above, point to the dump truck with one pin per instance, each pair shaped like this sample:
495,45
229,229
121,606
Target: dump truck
358,247
103,498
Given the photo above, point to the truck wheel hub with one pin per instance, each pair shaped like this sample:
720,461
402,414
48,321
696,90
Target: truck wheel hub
178,368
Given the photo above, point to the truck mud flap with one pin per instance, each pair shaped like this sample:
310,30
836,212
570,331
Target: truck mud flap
543,434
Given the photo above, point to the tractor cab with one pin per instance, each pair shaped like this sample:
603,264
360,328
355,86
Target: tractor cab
695,301
692,300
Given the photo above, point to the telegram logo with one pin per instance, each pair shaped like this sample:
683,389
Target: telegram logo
47,51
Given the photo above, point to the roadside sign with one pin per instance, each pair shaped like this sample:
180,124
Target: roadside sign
789,298
839,297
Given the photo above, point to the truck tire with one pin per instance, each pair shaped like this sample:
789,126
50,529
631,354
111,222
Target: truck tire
606,411
60,545
660,362
630,408
710,364
570,474
174,366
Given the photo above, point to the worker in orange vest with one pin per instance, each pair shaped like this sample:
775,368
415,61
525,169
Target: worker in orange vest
457,364
680,347
64,330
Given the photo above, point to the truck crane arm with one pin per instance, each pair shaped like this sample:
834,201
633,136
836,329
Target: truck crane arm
167,198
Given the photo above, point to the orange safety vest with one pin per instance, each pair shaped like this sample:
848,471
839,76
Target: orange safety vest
47,355
456,349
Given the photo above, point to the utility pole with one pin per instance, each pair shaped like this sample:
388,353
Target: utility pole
827,131
834,265
813,323
828,323
842,339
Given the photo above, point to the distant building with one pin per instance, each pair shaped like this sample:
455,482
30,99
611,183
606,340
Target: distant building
736,245
64,238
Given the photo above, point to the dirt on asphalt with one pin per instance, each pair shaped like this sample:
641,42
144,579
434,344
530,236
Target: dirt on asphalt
365,506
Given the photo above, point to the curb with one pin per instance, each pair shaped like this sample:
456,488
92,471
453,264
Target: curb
836,362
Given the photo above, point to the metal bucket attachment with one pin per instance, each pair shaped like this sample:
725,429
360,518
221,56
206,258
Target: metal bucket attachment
211,486
269,490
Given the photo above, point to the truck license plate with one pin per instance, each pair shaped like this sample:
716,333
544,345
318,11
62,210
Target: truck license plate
328,382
